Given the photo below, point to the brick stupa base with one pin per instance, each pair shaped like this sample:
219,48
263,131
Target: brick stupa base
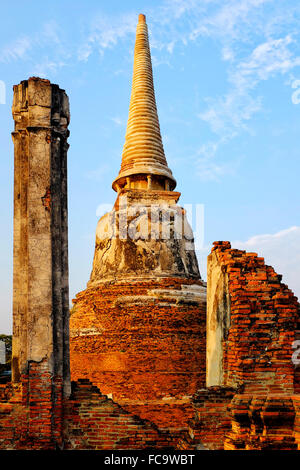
143,344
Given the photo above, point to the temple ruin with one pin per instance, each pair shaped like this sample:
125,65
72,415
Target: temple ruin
151,356
140,324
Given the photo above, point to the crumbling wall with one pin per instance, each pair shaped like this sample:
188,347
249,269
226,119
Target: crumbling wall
261,422
88,419
93,421
211,420
32,416
143,344
261,320
252,325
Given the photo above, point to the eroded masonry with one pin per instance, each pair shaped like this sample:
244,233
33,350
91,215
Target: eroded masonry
151,356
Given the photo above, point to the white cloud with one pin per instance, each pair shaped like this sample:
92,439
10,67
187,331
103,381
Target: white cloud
47,67
231,113
16,50
266,59
175,9
254,47
208,169
229,21
227,53
178,21
118,121
280,250
51,33
46,44
106,32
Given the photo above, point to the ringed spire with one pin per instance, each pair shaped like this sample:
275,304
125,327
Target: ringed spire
144,164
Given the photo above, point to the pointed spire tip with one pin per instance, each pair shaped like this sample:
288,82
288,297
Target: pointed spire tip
142,18
143,154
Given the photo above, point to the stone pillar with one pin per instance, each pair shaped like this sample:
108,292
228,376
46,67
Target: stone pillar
40,281
217,320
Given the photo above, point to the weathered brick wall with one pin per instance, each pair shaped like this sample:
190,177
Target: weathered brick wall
228,420
143,342
261,423
92,421
13,423
211,419
32,416
257,346
170,414
253,321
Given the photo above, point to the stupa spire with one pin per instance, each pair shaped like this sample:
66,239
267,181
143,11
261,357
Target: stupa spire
144,164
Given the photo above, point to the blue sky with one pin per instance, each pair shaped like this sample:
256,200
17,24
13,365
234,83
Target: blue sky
225,75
